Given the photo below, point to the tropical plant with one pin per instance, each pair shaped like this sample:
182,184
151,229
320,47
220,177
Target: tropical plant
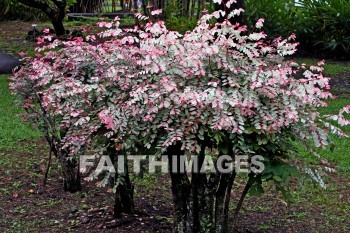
151,90
181,24
281,16
326,26
29,91
320,26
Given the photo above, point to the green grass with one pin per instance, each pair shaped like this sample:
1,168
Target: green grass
341,154
91,21
14,47
264,226
12,130
330,68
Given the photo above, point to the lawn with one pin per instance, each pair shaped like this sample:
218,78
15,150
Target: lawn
340,156
13,130
331,67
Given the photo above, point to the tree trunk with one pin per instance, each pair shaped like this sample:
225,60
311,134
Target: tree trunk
203,201
155,5
144,7
70,173
135,6
55,14
136,10
69,165
162,5
124,193
222,200
199,8
185,4
202,197
58,26
223,196
193,4
181,190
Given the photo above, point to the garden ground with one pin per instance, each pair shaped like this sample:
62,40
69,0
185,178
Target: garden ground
26,207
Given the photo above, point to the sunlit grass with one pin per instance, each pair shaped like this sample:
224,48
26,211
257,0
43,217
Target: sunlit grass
12,129
340,156
330,68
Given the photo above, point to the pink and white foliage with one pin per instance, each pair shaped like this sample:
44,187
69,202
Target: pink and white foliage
340,118
155,87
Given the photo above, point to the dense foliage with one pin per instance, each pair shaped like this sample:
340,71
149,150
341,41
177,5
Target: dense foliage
321,26
149,89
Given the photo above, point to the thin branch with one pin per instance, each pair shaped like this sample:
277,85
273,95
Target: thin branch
244,194
48,165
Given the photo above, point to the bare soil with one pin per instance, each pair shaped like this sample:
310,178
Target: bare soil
26,206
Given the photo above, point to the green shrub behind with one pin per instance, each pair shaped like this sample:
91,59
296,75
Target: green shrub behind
326,26
322,27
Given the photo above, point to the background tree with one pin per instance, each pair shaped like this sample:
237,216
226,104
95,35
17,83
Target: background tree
54,9
13,10
88,6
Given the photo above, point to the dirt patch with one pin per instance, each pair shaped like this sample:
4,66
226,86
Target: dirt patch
26,207
13,37
317,210
340,84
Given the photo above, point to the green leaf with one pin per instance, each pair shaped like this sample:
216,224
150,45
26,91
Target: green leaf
277,178
256,190
266,176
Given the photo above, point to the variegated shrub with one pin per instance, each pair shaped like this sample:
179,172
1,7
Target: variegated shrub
222,86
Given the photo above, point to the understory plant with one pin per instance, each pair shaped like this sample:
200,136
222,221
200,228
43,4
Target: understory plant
326,26
322,27
220,89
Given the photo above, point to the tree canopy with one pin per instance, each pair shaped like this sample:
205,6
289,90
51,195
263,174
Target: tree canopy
54,9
